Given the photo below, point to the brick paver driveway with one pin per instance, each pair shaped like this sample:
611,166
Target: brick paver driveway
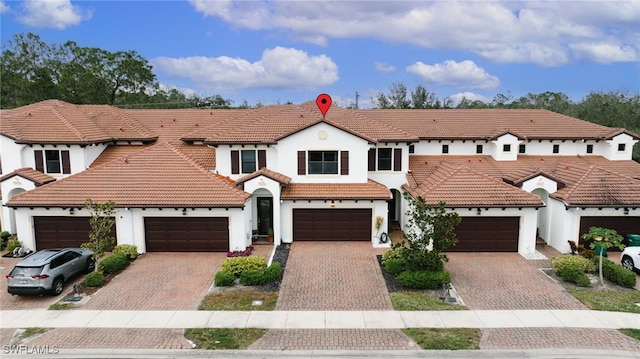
333,276
503,281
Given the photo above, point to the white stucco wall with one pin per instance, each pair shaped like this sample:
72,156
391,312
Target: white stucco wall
456,148
11,187
130,223
611,151
91,152
378,208
262,186
11,155
498,152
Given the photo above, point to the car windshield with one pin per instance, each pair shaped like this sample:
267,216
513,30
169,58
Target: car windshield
25,271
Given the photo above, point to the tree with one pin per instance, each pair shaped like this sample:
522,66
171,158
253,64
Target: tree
603,239
101,221
421,98
430,231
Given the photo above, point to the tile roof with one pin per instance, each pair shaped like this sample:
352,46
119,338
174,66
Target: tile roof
55,122
278,177
37,177
569,171
461,186
489,123
158,176
371,190
602,188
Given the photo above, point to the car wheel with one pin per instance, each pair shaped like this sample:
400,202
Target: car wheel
58,285
627,262
91,265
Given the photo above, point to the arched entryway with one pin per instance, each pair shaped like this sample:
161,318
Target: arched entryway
11,226
542,227
394,208
263,216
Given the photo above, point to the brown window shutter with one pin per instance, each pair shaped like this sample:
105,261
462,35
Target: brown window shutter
66,163
397,159
39,160
235,162
344,163
262,159
372,159
302,163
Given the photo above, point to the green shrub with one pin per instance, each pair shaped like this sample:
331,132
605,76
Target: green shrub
94,279
224,279
423,279
395,266
420,260
113,264
13,243
130,250
393,253
579,262
252,277
4,236
273,272
572,273
237,265
617,274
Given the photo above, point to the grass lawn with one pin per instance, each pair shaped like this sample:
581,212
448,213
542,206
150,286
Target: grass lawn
29,332
633,333
239,300
224,338
445,339
61,306
610,300
419,301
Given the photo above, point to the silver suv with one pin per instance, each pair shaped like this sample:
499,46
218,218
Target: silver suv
46,271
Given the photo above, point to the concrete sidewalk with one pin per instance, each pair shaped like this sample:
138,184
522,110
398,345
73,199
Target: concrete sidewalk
319,319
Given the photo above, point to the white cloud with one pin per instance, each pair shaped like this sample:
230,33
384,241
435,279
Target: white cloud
382,67
458,97
280,67
465,74
606,53
4,7
549,33
58,14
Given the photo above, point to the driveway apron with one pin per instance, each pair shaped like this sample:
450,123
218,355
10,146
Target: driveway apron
333,276
504,281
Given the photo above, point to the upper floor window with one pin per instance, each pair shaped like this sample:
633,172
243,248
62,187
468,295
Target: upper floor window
556,148
621,147
506,148
384,159
479,149
248,161
522,148
412,148
323,163
589,148
52,161
445,148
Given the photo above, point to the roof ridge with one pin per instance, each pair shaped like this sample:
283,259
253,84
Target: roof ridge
129,120
579,182
438,183
360,115
185,156
67,123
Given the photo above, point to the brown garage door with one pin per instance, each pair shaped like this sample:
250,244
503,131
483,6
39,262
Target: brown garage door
622,225
60,232
487,234
332,224
196,234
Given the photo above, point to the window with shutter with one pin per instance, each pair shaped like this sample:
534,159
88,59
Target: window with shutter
262,159
397,159
66,163
372,159
344,163
302,163
235,162
39,159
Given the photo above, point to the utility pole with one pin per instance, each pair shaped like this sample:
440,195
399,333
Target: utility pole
357,99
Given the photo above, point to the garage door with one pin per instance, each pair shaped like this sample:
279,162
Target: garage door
197,234
487,234
332,224
60,232
622,225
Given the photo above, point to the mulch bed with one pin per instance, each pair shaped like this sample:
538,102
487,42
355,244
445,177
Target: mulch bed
281,255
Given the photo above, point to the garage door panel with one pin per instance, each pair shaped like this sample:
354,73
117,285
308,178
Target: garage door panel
487,234
622,225
197,234
60,232
332,224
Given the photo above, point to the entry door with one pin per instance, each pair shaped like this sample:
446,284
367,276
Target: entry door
265,214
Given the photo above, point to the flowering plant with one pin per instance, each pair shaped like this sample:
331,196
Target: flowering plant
379,220
245,253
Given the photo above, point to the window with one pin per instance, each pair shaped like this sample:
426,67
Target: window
556,148
52,161
445,148
479,148
621,147
589,148
323,162
522,148
506,148
412,149
248,161
384,159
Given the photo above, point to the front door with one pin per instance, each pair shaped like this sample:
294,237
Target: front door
265,214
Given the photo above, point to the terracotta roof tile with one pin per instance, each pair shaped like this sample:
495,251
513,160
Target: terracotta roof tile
37,177
278,177
461,186
338,191
600,187
158,176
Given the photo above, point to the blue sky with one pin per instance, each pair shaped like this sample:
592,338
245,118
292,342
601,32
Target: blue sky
279,51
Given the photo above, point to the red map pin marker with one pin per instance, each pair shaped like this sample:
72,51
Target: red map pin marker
324,102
